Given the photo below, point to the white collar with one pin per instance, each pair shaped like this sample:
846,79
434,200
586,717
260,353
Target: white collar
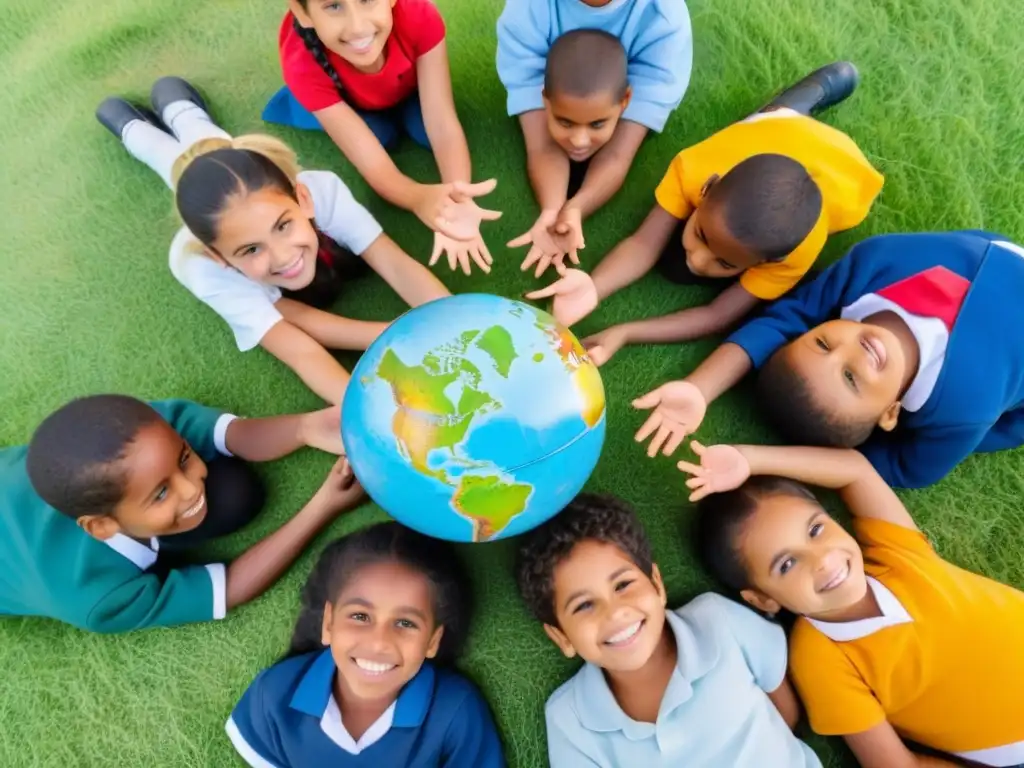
141,554
893,613
336,731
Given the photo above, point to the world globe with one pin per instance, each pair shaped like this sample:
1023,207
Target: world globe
474,418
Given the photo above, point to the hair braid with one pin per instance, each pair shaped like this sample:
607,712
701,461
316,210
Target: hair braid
316,47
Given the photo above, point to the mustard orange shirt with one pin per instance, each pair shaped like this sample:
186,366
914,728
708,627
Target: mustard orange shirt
944,664
849,184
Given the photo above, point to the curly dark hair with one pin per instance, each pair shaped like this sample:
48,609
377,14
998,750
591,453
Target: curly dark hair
791,408
590,517
387,542
74,457
721,518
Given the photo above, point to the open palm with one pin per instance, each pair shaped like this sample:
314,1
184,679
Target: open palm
722,468
678,410
574,295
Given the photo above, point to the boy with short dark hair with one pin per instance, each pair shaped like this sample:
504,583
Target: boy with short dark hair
656,682
905,348
657,35
749,208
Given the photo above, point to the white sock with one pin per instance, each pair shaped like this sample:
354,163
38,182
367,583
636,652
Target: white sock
190,123
148,144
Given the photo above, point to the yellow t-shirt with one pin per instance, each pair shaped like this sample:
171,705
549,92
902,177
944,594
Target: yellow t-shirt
849,184
945,666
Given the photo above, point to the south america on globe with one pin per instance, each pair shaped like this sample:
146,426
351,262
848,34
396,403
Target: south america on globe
474,418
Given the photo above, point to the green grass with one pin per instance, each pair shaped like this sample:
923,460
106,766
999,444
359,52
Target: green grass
89,305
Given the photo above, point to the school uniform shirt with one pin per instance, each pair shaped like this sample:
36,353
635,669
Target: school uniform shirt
655,33
53,568
246,305
289,718
848,183
418,28
960,294
715,711
943,664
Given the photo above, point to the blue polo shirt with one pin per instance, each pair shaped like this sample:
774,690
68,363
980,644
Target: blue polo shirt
715,712
288,718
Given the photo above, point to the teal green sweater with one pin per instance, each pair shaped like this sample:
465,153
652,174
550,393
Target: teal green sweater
53,568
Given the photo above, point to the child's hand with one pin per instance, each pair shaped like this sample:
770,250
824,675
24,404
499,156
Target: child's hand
722,468
547,247
679,408
450,210
574,292
602,346
459,252
570,225
322,430
340,491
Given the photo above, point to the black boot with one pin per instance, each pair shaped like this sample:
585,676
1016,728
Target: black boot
115,113
168,90
819,90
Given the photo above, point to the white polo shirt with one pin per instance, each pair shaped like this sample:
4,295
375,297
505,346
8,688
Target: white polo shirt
715,712
248,306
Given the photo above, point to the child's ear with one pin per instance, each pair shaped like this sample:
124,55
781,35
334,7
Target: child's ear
305,198
712,180
890,416
435,642
300,13
627,98
658,583
325,630
760,601
558,638
100,527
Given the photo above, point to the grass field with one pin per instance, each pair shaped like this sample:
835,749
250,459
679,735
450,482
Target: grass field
89,306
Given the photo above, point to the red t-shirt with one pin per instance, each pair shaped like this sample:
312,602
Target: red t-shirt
418,28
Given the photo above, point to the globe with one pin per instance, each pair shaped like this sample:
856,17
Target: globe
474,418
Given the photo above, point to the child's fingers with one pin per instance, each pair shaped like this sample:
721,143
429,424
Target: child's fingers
485,253
463,256
648,427
487,214
520,241
574,257
436,253
649,400
542,264
690,468
544,293
598,355
452,259
700,493
462,189
697,448
531,258
477,254
674,442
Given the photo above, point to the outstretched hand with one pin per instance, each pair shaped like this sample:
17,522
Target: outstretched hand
602,346
461,252
722,468
679,408
451,210
575,295
551,239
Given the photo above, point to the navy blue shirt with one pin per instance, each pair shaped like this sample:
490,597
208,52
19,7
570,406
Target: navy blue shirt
288,718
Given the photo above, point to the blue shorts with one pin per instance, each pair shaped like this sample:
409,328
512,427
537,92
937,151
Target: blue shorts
387,125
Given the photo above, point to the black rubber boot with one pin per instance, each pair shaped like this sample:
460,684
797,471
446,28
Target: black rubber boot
115,113
819,90
168,90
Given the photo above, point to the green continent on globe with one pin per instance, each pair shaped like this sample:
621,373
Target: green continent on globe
497,342
489,502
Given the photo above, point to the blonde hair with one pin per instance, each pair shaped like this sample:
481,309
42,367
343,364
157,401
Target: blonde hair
212,171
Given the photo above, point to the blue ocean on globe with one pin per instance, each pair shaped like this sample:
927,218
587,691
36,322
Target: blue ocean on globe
474,418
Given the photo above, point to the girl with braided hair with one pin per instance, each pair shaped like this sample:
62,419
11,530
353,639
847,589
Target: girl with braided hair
366,71
265,245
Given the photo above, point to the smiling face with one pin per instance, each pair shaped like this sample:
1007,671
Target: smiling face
798,558
582,125
380,629
711,249
267,235
356,30
855,370
609,612
164,488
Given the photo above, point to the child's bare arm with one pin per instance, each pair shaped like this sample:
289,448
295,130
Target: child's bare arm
864,492
328,329
271,438
444,130
609,167
727,309
410,279
546,164
635,256
785,700
308,359
252,573
882,747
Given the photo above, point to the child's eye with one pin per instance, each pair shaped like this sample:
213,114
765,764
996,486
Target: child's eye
598,124
565,123
405,624
724,264
283,225
185,457
586,605
822,344
816,530
848,375
250,251
786,565
360,617
161,494
623,584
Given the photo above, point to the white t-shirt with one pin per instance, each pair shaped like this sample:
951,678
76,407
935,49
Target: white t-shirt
248,306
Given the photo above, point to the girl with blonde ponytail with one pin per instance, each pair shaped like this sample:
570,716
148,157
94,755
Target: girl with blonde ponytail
266,245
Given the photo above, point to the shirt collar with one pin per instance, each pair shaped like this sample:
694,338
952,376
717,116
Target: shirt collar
599,711
142,555
892,609
314,693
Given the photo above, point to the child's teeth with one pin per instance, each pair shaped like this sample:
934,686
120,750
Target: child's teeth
374,667
625,634
195,509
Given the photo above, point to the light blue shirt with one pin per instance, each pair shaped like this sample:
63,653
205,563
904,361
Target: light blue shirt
655,33
715,712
